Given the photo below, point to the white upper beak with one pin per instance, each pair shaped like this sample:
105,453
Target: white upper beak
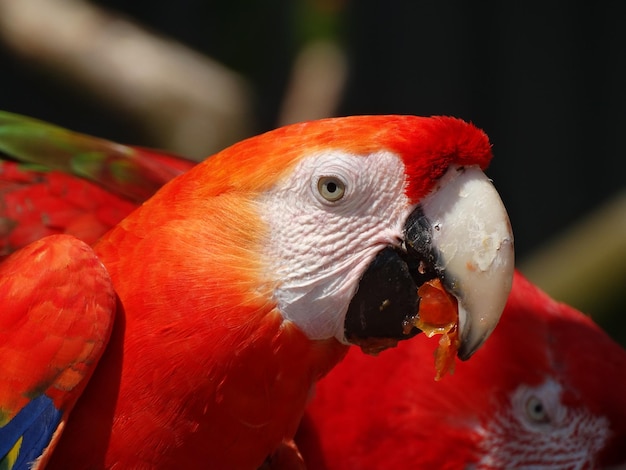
472,237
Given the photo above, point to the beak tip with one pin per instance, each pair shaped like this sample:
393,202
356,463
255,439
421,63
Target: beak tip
464,355
467,349
479,315
468,343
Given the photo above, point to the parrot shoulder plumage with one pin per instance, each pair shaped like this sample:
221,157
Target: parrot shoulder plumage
58,312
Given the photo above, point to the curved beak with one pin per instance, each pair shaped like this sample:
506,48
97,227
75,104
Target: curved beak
471,249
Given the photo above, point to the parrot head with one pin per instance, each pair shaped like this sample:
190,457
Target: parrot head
374,207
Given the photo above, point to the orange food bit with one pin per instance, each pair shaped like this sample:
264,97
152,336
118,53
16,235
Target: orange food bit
445,354
439,315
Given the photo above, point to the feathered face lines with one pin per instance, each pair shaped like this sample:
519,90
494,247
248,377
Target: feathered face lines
537,428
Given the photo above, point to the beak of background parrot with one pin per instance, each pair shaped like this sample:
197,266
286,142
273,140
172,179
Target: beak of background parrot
460,235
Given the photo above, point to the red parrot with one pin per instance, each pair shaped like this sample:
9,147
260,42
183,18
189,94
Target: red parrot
243,281
547,391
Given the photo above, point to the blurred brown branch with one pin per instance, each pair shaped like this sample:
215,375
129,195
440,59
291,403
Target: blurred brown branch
189,103
585,266
316,84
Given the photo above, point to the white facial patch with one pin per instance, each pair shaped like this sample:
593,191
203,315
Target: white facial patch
538,431
328,219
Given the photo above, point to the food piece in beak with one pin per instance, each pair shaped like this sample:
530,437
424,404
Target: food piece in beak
439,315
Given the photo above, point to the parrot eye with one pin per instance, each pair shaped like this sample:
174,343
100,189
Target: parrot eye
536,410
331,188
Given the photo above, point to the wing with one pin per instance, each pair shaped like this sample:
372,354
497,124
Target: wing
37,203
132,172
56,181
58,308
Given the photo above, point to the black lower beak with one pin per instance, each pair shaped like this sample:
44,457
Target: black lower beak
383,310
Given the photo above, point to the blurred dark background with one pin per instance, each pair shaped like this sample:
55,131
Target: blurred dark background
547,82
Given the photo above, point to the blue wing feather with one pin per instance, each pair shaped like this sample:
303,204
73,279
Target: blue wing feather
35,424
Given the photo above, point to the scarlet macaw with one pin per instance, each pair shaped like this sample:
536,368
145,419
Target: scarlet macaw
243,281
547,391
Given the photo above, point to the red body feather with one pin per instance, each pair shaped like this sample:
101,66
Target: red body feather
35,204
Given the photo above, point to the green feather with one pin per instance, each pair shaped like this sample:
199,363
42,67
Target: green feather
130,172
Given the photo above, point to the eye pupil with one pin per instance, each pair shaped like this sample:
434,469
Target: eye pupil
331,188
536,411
